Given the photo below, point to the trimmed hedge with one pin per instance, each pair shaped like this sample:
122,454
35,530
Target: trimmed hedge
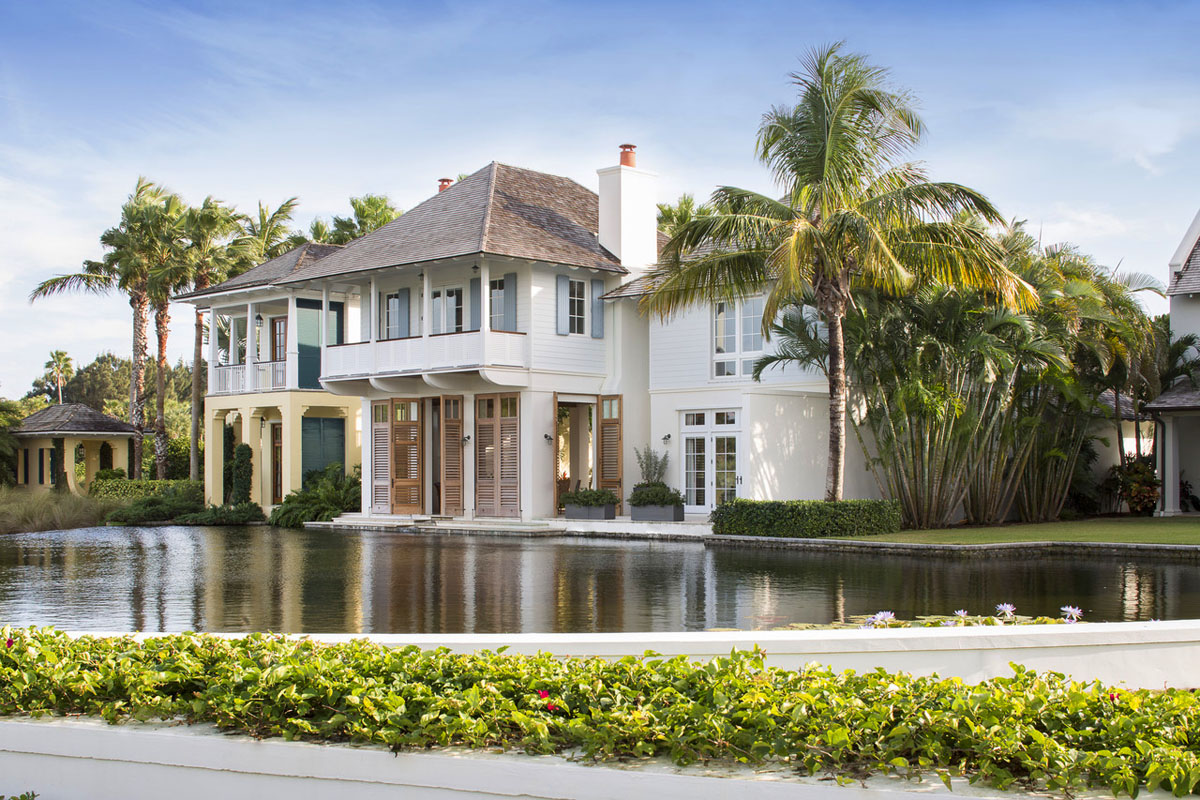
655,493
1034,731
590,497
124,489
243,514
175,501
805,519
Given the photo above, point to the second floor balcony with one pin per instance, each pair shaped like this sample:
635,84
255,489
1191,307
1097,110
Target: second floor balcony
437,352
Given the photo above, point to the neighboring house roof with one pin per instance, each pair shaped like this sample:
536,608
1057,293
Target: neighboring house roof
499,210
72,418
1127,412
1185,263
644,285
272,271
1183,396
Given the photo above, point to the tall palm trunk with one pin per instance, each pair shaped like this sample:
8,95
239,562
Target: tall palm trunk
162,319
137,377
833,307
197,358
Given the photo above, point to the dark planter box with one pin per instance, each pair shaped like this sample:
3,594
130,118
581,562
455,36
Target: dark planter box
656,513
591,512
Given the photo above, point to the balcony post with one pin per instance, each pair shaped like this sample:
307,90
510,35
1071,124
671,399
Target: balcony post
251,365
373,323
213,350
426,316
324,326
291,367
485,309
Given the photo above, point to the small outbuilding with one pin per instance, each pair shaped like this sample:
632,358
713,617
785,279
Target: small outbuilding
53,440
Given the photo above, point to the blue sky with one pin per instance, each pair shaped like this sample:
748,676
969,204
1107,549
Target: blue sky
1083,118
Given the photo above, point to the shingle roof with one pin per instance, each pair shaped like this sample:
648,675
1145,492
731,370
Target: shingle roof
1183,396
271,271
1127,412
71,418
1186,280
499,210
643,285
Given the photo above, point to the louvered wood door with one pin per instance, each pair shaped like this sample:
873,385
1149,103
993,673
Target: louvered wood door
609,446
497,455
452,455
406,456
381,481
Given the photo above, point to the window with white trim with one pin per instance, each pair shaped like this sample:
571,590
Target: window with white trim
577,306
496,304
737,337
389,312
447,304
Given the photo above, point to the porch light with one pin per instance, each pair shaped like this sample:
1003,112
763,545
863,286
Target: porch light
667,439
258,320
549,438
467,439
475,268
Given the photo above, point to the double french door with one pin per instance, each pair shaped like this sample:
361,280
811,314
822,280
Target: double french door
711,460
399,458
497,455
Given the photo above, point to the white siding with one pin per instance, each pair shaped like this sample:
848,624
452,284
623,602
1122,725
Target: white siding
1185,315
574,353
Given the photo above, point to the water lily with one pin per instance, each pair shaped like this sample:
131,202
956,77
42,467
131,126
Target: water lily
1006,610
962,613
1071,613
949,623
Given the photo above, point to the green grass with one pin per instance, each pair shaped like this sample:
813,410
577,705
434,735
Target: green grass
1132,530
23,511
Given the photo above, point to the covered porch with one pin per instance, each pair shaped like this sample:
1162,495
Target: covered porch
54,440
1177,412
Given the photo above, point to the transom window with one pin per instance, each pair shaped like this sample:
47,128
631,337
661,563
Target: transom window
577,306
447,309
737,337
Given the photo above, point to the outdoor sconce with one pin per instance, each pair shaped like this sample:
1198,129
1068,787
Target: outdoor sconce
667,439
474,268
467,439
549,438
258,320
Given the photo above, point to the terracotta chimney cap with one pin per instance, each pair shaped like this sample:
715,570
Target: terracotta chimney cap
628,157
444,183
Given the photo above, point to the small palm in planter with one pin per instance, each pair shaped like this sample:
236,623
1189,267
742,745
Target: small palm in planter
655,502
590,504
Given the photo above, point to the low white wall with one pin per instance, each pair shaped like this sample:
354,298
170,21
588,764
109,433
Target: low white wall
1137,654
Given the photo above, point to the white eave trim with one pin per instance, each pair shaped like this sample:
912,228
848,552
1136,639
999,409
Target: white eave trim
1186,246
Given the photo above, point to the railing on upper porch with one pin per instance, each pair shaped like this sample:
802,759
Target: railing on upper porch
272,375
236,378
228,379
415,354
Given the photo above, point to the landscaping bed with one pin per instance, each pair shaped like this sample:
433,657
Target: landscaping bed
1033,730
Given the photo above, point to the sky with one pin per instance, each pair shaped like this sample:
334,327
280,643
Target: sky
1081,118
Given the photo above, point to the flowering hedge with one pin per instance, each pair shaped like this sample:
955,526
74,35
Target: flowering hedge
1033,730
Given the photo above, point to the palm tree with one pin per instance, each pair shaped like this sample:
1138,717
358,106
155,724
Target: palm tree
672,217
124,268
267,235
210,257
853,215
59,367
369,212
163,226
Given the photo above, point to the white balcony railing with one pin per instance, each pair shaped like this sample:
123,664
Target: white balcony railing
271,375
229,379
422,354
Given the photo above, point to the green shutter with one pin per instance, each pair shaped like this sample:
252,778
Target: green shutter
308,333
322,442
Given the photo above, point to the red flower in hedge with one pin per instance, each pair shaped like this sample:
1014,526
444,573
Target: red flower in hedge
9,643
542,693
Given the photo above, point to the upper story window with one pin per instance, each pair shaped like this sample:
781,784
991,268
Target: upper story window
496,319
393,323
577,306
737,337
447,309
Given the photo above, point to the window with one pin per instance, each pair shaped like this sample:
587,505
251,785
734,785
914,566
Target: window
392,315
737,337
724,418
278,338
496,304
447,309
577,305
693,419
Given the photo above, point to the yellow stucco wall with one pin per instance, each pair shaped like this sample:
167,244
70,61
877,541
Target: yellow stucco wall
91,455
250,414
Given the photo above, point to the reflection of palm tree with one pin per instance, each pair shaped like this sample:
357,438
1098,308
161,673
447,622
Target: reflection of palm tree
60,369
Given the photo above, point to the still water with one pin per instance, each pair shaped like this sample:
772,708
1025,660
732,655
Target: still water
258,579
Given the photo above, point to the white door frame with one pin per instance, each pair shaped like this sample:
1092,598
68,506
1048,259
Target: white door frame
706,426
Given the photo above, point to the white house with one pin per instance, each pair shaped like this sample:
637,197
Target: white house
1178,407
493,338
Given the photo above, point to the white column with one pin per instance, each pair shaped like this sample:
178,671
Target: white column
213,350
368,454
426,314
485,309
373,321
292,356
1170,471
251,349
469,456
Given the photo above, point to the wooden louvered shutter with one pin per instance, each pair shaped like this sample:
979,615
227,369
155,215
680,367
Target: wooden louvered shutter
406,456
486,489
608,445
509,456
452,455
381,482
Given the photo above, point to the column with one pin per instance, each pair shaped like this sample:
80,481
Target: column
213,350
469,456
426,316
485,309
251,349
292,416
373,322
292,367
325,324
367,445
1170,470
252,436
214,457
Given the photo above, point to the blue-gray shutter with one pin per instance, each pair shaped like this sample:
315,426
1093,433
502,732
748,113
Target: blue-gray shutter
402,315
563,284
510,301
474,304
597,309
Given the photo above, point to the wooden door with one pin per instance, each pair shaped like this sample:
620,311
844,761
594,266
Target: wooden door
608,444
406,463
276,463
452,455
381,481
497,455
278,338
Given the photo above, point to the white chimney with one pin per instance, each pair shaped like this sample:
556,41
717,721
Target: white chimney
628,214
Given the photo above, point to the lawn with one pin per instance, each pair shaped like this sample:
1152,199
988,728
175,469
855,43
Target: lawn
1136,530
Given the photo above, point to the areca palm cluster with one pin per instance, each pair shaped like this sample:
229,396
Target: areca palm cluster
853,216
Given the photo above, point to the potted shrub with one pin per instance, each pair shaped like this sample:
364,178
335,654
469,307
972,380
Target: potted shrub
655,502
590,504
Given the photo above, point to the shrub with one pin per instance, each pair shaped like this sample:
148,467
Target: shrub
805,519
243,472
243,514
652,466
173,502
123,489
1036,730
22,511
325,495
590,497
1137,485
654,494
109,475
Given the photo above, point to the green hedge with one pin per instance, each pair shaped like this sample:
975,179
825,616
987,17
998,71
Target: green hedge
1038,731
124,489
243,514
805,519
590,497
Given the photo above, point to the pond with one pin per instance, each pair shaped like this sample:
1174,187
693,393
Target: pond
258,579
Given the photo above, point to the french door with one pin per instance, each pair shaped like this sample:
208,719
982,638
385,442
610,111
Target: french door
452,455
712,472
497,455
406,462
381,481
